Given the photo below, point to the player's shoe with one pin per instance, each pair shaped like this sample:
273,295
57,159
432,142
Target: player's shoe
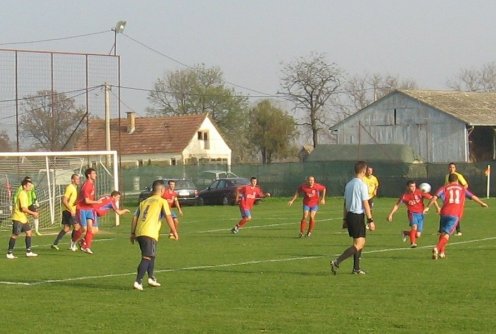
54,247
138,286
309,234
73,246
153,282
334,267
435,253
442,255
31,254
413,246
235,230
403,236
11,256
87,250
458,234
171,236
358,272
37,233
301,235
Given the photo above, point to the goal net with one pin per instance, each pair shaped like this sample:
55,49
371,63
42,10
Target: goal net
51,172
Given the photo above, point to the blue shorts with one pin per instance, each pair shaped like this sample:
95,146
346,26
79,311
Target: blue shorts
310,208
448,224
84,215
417,219
245,213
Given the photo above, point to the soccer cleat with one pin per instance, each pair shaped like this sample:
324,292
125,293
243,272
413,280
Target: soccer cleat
11,256
73,246
31,254
54,247
442,255
458,234
235,230
358,272
301,235
87,250
138,286
171,236
334,267
403,236
413,246
153,282
309,234
435,253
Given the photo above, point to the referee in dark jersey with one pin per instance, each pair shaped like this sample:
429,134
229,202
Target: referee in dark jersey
356,209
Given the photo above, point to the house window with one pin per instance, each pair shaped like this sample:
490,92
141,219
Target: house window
203,139
173,161
140,163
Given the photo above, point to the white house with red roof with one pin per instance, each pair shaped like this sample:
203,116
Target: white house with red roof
170,140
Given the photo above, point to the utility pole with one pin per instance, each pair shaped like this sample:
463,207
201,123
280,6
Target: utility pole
107,120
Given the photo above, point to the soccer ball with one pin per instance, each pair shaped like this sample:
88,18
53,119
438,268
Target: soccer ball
425,187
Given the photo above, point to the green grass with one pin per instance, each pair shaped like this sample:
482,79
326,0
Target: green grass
263,280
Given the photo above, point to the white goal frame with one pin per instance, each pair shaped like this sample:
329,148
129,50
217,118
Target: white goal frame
51,203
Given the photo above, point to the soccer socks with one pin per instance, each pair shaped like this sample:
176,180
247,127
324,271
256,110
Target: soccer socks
76,235
303,226
441,244
142,269
413,236
346,254
59,237
12,242
311,225
356,260
88,238
28,244
242,222
151,268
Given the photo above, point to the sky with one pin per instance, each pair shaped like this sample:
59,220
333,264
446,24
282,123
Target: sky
428,41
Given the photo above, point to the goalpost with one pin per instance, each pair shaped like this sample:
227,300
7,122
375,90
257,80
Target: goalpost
51,173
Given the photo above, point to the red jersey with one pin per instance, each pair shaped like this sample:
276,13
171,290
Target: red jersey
248,195
311,195
453,196
108,203
87,191
415,201
170,196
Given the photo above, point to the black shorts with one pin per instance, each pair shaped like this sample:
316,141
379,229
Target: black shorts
356,225
18,227
33,208
147,245
67,218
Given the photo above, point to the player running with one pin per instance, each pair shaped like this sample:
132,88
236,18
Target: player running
414,201
246,197
453,195
313,193
170,195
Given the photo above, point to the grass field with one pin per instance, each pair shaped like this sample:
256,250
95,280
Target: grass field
263,280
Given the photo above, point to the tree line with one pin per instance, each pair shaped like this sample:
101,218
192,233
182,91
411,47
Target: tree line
314,95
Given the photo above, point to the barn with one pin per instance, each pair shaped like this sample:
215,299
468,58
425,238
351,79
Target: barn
439,126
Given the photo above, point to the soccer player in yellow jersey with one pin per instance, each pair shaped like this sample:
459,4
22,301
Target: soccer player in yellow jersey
372,184
20,220
69,212
463,183
145,228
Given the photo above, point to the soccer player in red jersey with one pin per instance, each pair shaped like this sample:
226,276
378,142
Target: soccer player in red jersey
171,196
313,193
246,197
453,195
86,214
109,203
414,201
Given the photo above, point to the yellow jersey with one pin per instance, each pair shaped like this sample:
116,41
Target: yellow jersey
150,213
461,179
372,183
71,193
22,201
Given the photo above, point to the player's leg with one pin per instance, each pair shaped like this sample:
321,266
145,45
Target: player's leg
311,222
148,250
26,228
16,230
246,217
176,224
458,229
303,220
91,231
356,230
66,227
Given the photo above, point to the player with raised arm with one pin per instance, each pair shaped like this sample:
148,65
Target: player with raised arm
313,194
69,213
246,197
145,228
170,195
413,198
464,184
453,195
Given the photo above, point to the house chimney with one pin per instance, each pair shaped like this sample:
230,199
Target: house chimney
131,122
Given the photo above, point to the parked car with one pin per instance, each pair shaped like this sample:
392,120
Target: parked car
187,193
222,191
206,177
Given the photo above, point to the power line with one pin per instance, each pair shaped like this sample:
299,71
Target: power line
56,39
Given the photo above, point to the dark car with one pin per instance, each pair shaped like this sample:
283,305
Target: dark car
222,191
187,194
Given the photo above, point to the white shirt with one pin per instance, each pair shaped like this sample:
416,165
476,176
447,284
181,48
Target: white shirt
355,192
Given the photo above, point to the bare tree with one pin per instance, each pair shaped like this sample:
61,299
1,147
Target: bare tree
311,83
50,119
475,80
5,144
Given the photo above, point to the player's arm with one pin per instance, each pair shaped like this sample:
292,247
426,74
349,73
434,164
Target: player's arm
478,201
66,204
368,214
134,222
393,210
322,200
176,202
23,203
431,202
295,196
120,212
168,218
